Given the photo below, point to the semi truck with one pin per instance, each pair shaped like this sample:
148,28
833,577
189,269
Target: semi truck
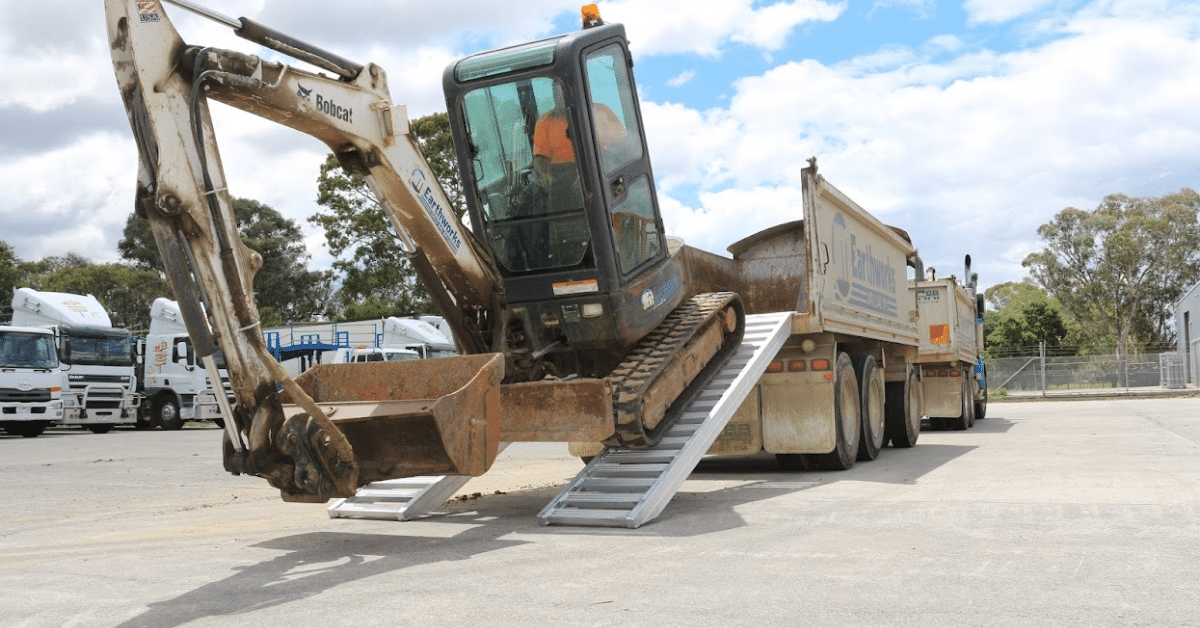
950,355
96,359
577,318
175,387
30,381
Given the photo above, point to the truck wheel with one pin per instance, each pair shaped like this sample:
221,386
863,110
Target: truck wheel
903,410
796,462
963,420
27,429
166,412
100,429
846,420
871,387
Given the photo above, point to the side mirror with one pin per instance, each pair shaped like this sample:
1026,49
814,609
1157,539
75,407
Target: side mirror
183,353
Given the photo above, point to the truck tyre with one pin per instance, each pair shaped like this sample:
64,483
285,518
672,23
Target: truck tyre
166,412
846,418
26,429
100,429
871,388
963,420
903,410
796,462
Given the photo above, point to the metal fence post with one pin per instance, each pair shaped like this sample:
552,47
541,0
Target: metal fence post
1042,355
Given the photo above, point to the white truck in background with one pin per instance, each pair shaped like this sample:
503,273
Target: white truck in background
175,387
417,334
30,381
372,354
96,359
951,319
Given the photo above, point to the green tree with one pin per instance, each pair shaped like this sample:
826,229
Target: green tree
284,288
1117,270
1022,317
376,277
10,272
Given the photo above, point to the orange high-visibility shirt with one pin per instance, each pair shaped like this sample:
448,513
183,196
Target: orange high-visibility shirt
550,139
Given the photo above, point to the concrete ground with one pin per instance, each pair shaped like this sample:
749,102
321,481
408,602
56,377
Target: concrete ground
1067,513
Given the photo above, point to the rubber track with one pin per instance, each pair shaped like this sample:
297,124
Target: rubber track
651,358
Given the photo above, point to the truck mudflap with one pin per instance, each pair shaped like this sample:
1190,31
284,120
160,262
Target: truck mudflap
411,418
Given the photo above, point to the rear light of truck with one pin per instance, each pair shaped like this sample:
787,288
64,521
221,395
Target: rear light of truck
820,364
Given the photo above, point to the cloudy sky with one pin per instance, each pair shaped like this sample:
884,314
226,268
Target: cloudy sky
967,123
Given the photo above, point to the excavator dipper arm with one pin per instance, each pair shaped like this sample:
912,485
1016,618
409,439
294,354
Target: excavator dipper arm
181,190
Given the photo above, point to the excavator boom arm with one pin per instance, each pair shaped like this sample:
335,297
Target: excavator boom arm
181,190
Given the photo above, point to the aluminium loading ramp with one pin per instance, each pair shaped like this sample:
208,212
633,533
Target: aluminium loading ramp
628,487
402,499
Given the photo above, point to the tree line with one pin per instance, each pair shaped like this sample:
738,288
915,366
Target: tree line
1106,281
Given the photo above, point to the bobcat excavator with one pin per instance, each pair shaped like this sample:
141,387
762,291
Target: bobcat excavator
576,320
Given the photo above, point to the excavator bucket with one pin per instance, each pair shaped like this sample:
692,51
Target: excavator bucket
420,417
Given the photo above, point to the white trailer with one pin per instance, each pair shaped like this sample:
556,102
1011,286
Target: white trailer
175,387
96,359
30,381
951,319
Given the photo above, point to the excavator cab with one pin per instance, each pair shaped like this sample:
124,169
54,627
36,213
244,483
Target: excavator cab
559,186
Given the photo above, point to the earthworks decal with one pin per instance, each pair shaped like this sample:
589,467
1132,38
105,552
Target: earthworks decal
863,280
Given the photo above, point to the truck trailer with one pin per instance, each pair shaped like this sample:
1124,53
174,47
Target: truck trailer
95,358
952,367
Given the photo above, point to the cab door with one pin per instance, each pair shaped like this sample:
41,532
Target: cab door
627,182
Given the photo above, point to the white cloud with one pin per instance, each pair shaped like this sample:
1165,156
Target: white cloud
681,79
970,153
682,26
69,199
998,11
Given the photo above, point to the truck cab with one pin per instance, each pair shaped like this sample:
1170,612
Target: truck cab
175,388
559,186
30,381
96,359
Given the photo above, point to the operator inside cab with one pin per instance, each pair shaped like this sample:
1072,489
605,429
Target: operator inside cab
538,155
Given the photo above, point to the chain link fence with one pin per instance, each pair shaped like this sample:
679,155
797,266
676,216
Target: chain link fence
1050,374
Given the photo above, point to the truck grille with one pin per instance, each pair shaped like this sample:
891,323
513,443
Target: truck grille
12,395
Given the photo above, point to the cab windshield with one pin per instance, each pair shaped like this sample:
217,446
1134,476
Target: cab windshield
98,347
27,350
526,176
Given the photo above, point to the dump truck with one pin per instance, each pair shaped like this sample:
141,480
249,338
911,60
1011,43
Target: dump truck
577,318
96,359
950,354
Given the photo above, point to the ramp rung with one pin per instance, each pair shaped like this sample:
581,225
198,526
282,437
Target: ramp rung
642,482
618,484
600,500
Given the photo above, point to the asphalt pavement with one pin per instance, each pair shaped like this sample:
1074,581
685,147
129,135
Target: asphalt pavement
1065,513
